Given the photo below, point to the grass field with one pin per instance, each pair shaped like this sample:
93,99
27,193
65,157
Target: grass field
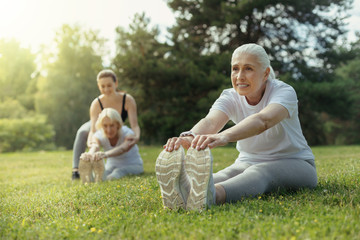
38,200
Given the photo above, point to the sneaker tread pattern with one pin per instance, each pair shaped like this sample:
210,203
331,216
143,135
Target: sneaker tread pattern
168,168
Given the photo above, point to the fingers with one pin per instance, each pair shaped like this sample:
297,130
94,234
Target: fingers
128,146
201,142
86,157
99,156
170,144
175,143
131,138
130,143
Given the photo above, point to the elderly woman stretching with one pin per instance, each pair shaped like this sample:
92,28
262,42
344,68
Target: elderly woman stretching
273,153
115,140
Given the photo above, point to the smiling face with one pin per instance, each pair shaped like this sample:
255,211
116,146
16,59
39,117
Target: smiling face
106,85
248,76
110,128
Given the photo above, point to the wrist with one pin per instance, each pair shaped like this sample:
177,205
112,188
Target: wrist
123,150
188,134
189,138
224,136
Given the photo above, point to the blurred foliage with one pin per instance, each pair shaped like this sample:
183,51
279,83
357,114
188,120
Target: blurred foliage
26,134
17,65
330,111
175,82
349,74
301,39
172,93
67,88
298,35
11,108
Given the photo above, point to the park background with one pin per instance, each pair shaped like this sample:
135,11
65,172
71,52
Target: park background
175,65
175,60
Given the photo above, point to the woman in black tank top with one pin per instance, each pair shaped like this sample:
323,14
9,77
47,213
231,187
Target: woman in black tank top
124,113
109,98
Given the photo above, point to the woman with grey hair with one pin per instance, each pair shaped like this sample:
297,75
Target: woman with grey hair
273,153
114,138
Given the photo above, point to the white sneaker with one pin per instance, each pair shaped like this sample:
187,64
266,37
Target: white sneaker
98,168
198,166
168,169
85,170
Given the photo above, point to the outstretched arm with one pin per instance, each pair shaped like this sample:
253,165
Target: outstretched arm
93,148
212,123
94,114
250,126
116,151
94,154
133,120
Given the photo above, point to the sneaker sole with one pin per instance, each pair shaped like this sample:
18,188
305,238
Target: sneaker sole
168,168
85,171
198,167
98,168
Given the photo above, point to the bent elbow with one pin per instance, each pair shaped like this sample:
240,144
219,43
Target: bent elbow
263,123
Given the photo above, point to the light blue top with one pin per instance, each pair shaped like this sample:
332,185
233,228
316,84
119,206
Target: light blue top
132,157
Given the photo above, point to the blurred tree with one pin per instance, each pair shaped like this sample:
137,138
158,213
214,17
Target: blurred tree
329,111
297,34
348,74
300,37
11,108
17,65
27,134
68,82
23,129
172,93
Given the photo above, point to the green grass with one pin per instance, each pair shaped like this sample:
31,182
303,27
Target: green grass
39,201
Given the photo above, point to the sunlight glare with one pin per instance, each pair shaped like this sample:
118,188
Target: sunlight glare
11,15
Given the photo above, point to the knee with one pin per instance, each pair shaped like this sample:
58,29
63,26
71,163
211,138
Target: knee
114,174
314,183
110,178
82,133
109,175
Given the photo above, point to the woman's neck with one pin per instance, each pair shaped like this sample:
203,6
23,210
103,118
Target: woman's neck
111,96
113,141
254,100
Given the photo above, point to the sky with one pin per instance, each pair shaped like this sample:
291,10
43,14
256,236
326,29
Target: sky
35,22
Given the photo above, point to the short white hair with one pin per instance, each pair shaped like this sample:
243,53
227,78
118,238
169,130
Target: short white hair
259,52
113,115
